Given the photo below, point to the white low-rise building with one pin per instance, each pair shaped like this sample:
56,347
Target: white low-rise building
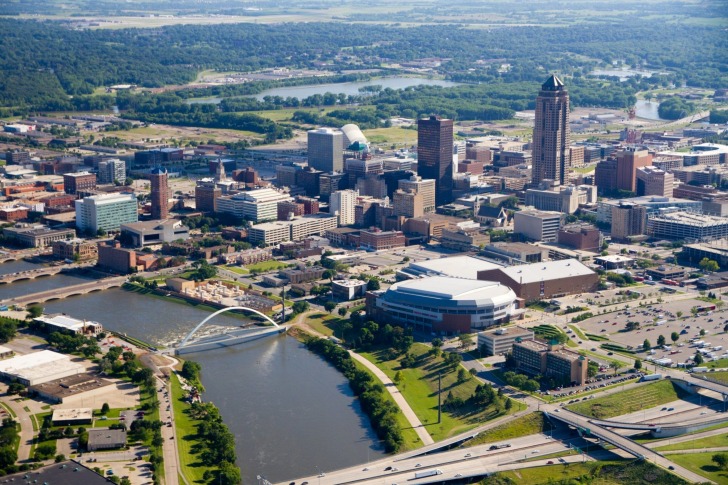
39,367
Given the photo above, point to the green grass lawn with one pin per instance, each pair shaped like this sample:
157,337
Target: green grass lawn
701,464
419,387
629,401
611,472
707,442
718,364
326,324
186,432
718,376
393,135
237,270
584,169
529,424
578,332
265,266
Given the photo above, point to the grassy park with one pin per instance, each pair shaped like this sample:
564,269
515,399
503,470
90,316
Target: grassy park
526,425
629,401
715,441
419,385
701,464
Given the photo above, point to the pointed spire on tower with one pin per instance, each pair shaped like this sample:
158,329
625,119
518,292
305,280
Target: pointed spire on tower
220,173
553,83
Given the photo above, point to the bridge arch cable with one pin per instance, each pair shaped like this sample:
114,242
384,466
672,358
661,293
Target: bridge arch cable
210,317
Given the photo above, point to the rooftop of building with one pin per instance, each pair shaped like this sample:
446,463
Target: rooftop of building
447,288
78,174
614,258
37,364
553,83
539,213
647,200
549,270
64,473
536,345
456,266
37,230
154,225
105,436
509,332
350,283
76,414
689,218
71,385
111,198
516,246
717,246
567,354
60,320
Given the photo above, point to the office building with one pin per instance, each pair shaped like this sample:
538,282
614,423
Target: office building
464,238
286,175
500,341
408,203
537,357
551,137
206,194
426,187
295,229
651,204
515,252
160,193
36,235
442,304
256,205
147,233
581,236
74,250
605,175
341,204
628,161
330,183
681,225
435,155
357,168
66,324
550,279
653,181
377,240
112,171
537,225
559,198
628,220
105,212
76,182
348,290
288,209
325,150
478,153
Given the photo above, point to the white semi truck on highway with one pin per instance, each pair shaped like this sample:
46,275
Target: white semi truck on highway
428,473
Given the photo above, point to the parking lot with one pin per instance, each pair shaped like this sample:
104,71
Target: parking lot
661,319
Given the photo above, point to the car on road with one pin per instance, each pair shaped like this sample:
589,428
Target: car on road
388,468
549,462
671,467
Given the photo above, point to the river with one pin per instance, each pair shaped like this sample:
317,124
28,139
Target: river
17,267
301,92
292,413
648,110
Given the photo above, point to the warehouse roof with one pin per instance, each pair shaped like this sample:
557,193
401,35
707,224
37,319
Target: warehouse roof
445,288
458,267
37,365
550,270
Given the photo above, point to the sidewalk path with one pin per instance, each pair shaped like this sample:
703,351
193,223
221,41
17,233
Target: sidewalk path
398,398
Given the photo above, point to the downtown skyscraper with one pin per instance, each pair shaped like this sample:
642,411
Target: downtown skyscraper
551,136
160,193
435,155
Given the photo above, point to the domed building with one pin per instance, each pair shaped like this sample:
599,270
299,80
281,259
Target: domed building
443,304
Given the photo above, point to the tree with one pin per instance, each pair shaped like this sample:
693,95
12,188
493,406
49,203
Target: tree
702,332
398,377
509,404
343,311
329,306
616,365
674,336
300,307
637,364
646,345
373,285
660,340
679,314
720,459
105,408
437,343
592,369
463,375
228,474
329,274
708,265
466,339
698,358
34,311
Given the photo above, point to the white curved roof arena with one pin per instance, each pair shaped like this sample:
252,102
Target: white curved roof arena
352,133
452,292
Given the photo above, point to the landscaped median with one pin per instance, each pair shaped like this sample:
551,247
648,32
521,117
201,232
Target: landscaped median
629,401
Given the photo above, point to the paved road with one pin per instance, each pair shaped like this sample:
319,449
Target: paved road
398,398
26,427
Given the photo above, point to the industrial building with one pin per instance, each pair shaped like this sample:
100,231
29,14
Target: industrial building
64,323
38,367
443,304
550,279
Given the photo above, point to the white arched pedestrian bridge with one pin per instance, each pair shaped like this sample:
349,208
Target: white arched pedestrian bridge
203,322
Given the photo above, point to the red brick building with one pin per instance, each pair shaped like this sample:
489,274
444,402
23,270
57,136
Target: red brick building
74,183
381,239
